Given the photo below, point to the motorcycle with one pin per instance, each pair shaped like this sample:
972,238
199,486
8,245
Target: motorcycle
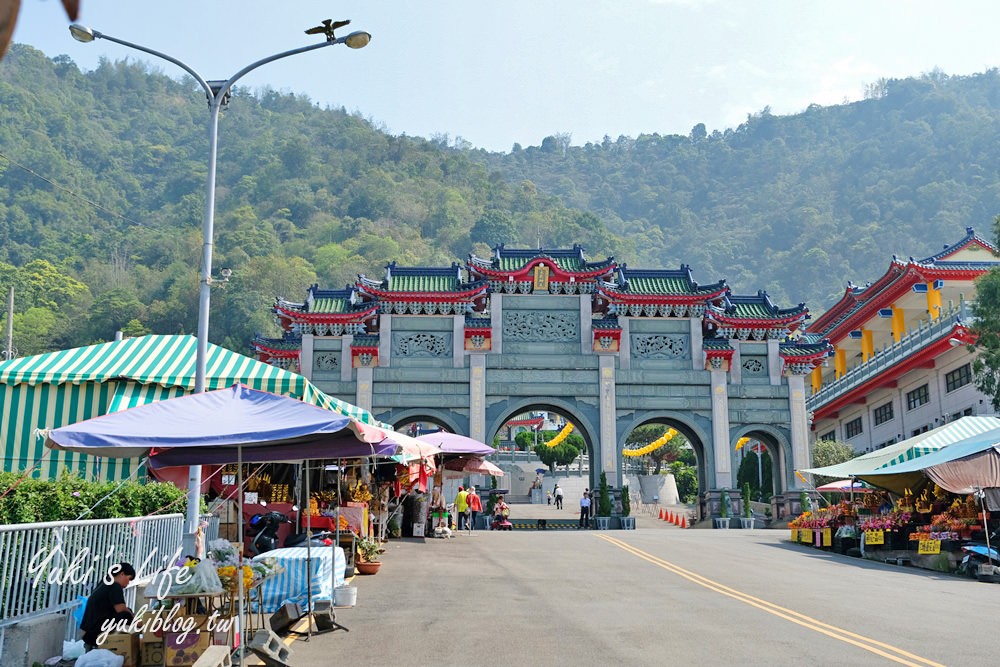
264,529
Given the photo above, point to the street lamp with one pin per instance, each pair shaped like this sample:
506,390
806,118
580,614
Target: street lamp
218,97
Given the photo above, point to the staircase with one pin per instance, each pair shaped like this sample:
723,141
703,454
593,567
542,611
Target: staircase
512,499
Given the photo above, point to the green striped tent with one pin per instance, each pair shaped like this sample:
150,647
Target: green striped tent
51,390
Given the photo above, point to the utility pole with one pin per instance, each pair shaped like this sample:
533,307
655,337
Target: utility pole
8,351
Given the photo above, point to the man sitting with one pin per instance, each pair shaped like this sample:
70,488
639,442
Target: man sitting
107,603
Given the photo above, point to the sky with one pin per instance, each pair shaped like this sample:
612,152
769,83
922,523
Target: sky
499,73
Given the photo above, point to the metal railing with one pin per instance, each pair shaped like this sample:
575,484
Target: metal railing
46,567
889,356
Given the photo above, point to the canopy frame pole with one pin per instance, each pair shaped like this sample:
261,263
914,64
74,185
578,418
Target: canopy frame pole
981,494
239,572
308,505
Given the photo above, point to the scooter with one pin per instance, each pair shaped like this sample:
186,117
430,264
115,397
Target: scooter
266,528
501,520
266,538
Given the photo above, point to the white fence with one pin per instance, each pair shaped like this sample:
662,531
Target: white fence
46,567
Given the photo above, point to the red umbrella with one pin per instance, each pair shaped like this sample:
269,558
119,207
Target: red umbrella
473,465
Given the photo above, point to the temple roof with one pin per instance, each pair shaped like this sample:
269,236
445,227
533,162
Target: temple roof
756,309
716,344
606,324
659,282
420,280
958,261
365,340
512,260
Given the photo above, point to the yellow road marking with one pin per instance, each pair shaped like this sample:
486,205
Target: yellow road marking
840,634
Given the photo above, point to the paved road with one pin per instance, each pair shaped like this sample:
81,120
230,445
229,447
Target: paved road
654,596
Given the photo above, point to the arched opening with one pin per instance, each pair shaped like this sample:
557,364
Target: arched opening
663,461
542,443
760,466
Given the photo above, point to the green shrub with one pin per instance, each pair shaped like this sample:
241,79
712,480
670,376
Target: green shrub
603,497
626,503
69,497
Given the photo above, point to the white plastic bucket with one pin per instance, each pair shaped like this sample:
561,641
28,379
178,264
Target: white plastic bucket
345,596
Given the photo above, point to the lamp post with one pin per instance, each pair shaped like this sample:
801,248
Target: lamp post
218,93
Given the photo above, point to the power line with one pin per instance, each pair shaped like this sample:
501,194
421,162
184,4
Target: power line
72,193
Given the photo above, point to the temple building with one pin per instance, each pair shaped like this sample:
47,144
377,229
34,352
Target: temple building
900,365
606,347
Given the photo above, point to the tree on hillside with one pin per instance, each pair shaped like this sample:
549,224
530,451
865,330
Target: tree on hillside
493,227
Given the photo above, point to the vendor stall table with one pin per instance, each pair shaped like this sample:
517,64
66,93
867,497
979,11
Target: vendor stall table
293,581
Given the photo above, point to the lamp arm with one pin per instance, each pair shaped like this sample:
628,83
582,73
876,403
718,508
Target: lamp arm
153,52
263,61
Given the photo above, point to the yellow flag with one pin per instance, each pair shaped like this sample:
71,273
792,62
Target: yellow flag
741,442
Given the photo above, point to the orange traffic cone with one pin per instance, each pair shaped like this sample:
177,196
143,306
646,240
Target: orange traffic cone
661,514
684,522
670,516
677,519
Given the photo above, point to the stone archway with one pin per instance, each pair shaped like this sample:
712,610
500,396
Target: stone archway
778,448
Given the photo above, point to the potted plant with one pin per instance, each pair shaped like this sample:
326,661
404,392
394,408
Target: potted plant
603,503
628,522
369,551
724,507
747,520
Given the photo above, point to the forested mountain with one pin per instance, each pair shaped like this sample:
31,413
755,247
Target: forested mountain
102,187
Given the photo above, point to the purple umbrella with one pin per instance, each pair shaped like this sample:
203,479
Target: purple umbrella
452,443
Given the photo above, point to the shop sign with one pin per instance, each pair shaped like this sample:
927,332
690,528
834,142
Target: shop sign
874,537
929,547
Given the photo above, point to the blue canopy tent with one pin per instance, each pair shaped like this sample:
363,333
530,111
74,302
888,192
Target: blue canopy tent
231,425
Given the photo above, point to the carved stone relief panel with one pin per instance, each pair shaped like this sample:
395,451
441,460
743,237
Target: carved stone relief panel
754,366
661,346
541,325
326,361
421,344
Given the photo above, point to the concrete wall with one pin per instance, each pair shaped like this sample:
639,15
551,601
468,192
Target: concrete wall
35,640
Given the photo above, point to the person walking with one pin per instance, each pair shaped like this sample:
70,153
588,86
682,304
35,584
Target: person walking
461,505
558,493
475,505
584,510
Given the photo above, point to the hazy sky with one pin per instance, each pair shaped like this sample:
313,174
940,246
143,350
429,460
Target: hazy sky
496,73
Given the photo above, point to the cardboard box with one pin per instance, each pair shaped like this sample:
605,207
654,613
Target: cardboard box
182,651
151,652
125,645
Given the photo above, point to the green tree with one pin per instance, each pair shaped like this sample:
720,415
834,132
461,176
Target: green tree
828,453
562,454
603,496
759,479
494,227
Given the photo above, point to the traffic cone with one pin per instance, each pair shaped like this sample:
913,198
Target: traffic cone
677,519
670,516
661,514
684,522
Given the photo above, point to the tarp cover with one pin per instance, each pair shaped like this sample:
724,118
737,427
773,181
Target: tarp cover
452,443
207,428
912,448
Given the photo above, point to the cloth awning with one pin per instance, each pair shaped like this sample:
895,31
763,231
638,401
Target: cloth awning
452,443
47,391
845,486
885,459
960,468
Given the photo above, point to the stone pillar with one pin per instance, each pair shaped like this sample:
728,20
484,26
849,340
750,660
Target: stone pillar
720,431
458,341
496,322
608,451
346,359
625,347
364,392
477,396
697,346
306,357
586,325
384,340
799,426
774,362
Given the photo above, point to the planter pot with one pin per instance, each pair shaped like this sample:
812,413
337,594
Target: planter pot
746,522
602,522
628,523
367,568
721,522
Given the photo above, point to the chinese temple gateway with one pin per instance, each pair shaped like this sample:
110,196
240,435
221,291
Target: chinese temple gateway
608,347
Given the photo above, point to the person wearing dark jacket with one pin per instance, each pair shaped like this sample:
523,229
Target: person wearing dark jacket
107,603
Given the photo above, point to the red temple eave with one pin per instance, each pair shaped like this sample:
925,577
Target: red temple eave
628,299
904,282
755,323
302,316
922,359
720,354
558,274
362,349
423,297
478,331
274,352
